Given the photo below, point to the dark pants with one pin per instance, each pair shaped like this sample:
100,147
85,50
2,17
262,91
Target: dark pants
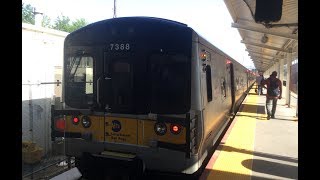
260,90
272,100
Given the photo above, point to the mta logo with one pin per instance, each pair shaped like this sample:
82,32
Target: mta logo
116,126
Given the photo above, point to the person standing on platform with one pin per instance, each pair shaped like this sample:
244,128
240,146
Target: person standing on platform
259,80
274,92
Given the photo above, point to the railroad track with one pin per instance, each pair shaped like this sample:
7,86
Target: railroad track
49,171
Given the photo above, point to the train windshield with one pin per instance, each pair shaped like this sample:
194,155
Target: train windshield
161,87
169,75
79,81
139,66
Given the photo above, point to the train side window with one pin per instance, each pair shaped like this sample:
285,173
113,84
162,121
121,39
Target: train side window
209,83
169,70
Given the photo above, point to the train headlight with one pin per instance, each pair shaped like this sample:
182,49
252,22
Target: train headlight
160,128
86,122
175,128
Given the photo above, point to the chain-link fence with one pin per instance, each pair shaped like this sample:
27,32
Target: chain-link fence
42,59
41,158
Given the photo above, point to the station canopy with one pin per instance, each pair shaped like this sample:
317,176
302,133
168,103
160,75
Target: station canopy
268,28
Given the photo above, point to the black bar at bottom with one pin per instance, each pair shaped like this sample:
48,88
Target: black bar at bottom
94,166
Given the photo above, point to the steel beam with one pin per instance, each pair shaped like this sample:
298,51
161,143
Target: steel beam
259,57
264,31
264,54
264,46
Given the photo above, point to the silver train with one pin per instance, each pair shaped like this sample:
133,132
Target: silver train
143,93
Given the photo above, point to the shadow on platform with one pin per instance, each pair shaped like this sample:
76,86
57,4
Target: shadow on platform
272,168
216,174
265,155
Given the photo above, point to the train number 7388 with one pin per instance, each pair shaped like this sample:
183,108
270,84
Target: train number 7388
119,47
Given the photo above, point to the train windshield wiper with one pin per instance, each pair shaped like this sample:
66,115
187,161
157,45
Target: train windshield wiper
75,62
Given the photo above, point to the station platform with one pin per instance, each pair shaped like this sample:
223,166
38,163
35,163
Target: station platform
256,148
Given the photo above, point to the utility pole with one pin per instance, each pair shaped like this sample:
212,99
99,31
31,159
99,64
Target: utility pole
38,13
114,9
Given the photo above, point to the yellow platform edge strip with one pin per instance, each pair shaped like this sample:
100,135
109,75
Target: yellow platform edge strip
236,155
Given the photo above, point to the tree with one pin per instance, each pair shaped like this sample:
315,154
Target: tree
62,23
27,14
46,21
79,23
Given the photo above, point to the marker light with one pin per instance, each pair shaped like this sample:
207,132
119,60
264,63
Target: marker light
175,129
203,55
75,120
228,61
60,124
160,128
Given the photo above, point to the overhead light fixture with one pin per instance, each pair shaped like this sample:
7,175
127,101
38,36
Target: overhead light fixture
264,39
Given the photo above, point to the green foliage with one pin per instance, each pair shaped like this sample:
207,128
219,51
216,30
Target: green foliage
46,21
62,23
79,23
27,14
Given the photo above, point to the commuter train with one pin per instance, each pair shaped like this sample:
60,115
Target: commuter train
147,93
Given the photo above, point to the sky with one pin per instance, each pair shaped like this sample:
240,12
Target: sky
210,18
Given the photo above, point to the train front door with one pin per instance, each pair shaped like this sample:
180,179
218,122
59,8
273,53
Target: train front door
118,72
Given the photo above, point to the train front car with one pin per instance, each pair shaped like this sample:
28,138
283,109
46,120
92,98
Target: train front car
127,95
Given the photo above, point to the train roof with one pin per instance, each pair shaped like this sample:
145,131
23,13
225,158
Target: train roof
145,19
100,27
134,20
